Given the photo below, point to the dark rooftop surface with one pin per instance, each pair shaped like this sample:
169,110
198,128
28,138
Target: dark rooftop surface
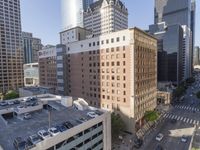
19,127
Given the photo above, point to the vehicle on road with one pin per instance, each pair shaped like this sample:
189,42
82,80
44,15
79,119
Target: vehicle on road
137,143
27,116
159,147
184,139
159,137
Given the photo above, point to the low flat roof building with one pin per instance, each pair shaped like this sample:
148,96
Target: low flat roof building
90,127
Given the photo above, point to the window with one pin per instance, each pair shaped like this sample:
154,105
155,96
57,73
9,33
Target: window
124,63
124,38
107,41
118,63
112,40
118,39
90,44
93,43
124,55
102,42
97,43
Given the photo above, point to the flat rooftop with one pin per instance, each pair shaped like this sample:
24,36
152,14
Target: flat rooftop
19,127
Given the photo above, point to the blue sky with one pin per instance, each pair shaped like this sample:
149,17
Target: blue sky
43,19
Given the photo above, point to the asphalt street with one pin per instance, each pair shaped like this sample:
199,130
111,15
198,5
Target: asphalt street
187,117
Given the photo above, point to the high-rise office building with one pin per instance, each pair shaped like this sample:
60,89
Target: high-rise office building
115,71
11,52
72,13
106,16
170,52
180,12
31,46
196,57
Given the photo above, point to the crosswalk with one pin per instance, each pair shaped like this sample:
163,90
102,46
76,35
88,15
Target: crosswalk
180,118
187,108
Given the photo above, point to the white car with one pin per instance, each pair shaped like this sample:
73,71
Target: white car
159,137
44,134
54,131
92,114
184,139
10,103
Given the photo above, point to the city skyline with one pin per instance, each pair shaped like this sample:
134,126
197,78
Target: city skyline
35,21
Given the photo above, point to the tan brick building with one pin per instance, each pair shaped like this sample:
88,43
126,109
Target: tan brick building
47,67
116,71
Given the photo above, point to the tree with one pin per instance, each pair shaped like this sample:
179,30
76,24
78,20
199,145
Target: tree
117,125
11,95
180,90
151,116
198,95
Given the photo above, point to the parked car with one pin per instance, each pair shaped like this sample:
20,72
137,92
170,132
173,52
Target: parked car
159,147
34,139
159,137
19,143
92,114
44,134
184,139
11,103
27,116
61,127
68,124
20,107
53,131
137,143
16,102
3,103
83,119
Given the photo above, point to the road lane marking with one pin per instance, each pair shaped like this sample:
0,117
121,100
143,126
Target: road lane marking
178,118
191,121
184,120
194,122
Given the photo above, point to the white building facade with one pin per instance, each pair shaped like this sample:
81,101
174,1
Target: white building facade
106,16
31,74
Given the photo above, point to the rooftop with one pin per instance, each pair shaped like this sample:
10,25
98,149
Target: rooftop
58,109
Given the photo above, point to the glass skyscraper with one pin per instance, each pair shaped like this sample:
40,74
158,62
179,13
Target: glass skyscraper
72,12
179,12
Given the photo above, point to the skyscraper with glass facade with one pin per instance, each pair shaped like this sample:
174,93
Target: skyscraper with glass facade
72,12
179,12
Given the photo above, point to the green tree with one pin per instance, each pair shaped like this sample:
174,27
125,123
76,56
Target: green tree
117,125
180,90
151,116
11,95
198,95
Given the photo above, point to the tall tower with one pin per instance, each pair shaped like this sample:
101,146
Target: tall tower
72,12
11,53
180,12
